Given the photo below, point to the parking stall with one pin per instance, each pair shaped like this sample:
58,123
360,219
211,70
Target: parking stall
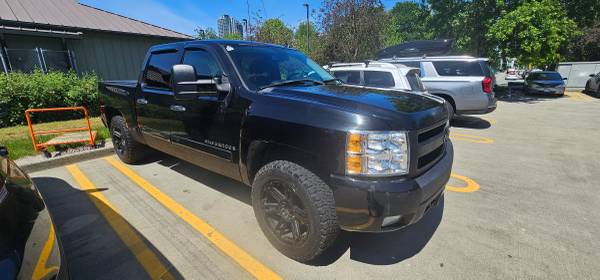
509,211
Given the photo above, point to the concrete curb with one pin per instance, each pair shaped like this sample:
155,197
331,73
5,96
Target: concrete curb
38,163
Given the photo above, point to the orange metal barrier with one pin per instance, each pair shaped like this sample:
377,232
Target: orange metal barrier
65,136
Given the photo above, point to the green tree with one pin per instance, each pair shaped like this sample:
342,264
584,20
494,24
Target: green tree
468,22
232,36
351,29
274,31
584,12
300,39
587,46
205,33
534,32
406,21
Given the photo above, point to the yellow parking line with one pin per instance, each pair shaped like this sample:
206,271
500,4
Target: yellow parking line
41,269
472,186
578,96
245,260
471,138
144,255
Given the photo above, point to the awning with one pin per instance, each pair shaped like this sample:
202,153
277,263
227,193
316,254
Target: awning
40,32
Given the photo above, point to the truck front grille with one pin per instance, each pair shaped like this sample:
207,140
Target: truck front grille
430,147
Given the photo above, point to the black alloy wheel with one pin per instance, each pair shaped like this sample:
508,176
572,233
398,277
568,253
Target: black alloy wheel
118,141
285,214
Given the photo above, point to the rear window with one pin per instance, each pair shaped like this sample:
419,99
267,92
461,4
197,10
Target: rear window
413,64
379,79
414,81
458,68
544,76
348,77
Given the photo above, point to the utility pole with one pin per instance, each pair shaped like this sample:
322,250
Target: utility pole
307,29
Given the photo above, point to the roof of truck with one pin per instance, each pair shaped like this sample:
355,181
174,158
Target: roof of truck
217,42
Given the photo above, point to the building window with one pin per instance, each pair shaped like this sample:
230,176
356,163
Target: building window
28,60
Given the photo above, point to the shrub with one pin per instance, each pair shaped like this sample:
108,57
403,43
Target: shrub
21,91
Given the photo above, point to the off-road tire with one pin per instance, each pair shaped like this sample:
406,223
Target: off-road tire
587,89
131,151
316,197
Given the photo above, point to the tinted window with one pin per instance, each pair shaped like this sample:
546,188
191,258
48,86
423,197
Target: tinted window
413,64
487,69
348,77
458,68
158,74
414,81
379,79
544,76
204,63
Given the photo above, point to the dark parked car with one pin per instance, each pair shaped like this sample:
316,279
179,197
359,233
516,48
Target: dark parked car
318,155
29,247
593,84
544,82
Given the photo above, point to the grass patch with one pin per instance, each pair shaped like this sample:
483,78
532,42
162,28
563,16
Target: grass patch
18,142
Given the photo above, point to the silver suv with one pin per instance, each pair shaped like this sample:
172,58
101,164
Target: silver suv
465,82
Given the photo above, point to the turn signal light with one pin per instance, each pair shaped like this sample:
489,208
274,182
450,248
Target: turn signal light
353,164
354,143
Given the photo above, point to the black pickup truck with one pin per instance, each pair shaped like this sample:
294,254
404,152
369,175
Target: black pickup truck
319,155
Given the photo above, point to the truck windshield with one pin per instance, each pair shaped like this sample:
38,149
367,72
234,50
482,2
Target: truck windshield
261,66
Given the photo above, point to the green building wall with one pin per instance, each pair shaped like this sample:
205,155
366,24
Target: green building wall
111,56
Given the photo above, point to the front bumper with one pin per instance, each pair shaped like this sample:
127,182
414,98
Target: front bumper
549,91
364,204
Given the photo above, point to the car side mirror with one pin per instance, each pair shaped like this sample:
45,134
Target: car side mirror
592,75
3,151
565,78
186,86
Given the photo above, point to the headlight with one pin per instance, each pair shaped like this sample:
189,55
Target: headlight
377,153
535,86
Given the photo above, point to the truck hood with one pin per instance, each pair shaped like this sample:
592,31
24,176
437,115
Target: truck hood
402,110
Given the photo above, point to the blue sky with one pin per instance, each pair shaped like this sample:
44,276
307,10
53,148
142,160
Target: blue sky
185,15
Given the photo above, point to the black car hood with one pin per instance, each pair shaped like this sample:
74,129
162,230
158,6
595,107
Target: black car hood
401,109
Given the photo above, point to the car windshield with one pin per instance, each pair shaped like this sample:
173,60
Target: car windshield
261,66
544,76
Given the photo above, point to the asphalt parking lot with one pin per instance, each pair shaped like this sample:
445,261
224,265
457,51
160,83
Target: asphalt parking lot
521,204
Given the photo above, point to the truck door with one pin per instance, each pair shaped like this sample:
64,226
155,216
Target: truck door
206,127
155,105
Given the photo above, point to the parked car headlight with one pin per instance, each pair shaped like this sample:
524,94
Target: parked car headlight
377,153
535,86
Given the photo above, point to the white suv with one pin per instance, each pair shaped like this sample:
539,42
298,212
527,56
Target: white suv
379,75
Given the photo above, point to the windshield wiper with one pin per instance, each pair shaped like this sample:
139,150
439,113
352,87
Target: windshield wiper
327,82
291,82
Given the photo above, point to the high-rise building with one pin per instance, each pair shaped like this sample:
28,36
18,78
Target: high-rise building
245,29
229,25
224,23
239,29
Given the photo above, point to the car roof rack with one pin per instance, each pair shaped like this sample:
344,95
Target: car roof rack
366,64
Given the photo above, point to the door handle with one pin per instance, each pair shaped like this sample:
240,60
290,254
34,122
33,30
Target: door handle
141,101
177,108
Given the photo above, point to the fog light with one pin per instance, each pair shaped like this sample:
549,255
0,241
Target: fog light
387,221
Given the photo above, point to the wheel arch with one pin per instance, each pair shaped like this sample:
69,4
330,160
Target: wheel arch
261,153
